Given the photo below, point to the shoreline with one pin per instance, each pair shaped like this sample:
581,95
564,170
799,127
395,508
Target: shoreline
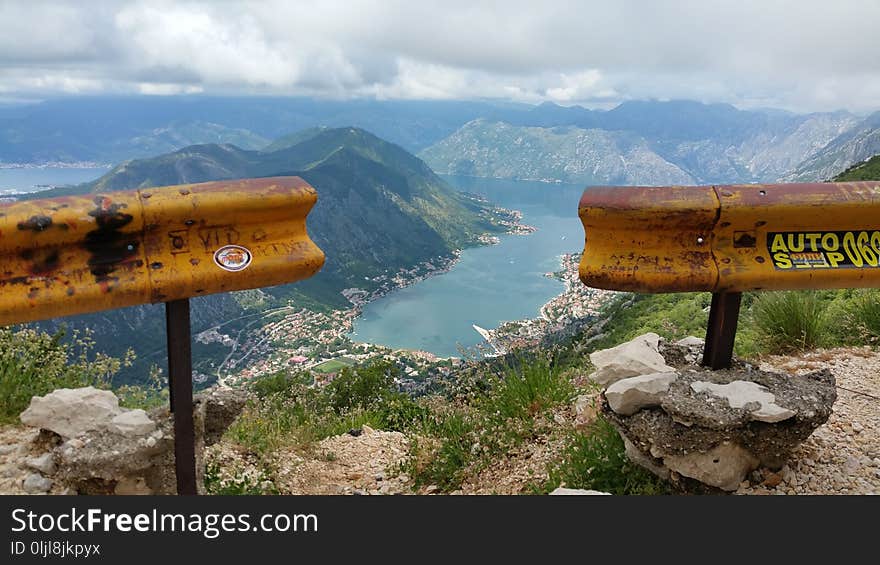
325,329
577,301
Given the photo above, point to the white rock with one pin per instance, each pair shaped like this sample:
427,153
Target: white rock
725,466
691,341
366,430
132,485
631,359
7,449
35,483
132,423
44,464
74,443
562,491
71,411
628,396
740,393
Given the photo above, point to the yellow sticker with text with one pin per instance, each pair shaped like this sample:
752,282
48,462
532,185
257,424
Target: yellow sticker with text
824,249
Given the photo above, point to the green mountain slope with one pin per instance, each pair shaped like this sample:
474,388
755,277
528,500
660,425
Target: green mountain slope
867,170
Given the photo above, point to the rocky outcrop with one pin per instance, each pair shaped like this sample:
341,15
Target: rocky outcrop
628,396
714,427
71,411
631,359
102,448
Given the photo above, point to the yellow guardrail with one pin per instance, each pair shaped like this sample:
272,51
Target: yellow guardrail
732,238
78,254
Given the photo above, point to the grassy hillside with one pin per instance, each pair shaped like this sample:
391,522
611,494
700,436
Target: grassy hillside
867,170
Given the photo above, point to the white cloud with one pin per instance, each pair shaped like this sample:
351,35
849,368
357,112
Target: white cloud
167,89
808,55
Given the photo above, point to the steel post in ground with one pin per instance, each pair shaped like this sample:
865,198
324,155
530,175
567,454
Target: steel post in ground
721,330
177,325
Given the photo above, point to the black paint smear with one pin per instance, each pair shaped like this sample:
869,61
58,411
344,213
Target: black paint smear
109,248
36,223
43,261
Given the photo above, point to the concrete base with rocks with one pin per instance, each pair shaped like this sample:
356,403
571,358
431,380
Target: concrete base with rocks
88,444
701,428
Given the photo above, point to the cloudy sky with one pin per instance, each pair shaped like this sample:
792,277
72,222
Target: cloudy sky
803,55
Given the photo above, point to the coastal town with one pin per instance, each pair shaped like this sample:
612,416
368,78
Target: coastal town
575,303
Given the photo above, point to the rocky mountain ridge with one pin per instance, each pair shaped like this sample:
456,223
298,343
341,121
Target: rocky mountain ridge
677,149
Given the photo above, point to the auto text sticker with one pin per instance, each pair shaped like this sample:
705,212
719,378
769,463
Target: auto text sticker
824,249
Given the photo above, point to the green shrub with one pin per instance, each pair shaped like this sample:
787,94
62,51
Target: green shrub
280,383
148,396
864,316
528,387
790,321
595,459
290,412
34,363
361,387
399,413
268,424
495,418
442,453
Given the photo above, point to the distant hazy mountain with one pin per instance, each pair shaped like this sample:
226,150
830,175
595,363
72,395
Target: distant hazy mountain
495,149
639,142
855,145
113,129
379,209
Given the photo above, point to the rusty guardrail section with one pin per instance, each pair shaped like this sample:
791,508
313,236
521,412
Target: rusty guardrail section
78,254
730,239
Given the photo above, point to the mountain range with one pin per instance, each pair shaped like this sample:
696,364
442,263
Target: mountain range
637,141
677,142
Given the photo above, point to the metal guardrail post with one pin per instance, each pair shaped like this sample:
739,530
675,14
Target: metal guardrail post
721,330
177,324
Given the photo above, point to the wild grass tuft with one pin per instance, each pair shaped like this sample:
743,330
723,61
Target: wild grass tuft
595,459
790,321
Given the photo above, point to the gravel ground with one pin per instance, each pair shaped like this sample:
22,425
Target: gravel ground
842,456
347,464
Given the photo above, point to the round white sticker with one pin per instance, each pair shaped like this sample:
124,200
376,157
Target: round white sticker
232,258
